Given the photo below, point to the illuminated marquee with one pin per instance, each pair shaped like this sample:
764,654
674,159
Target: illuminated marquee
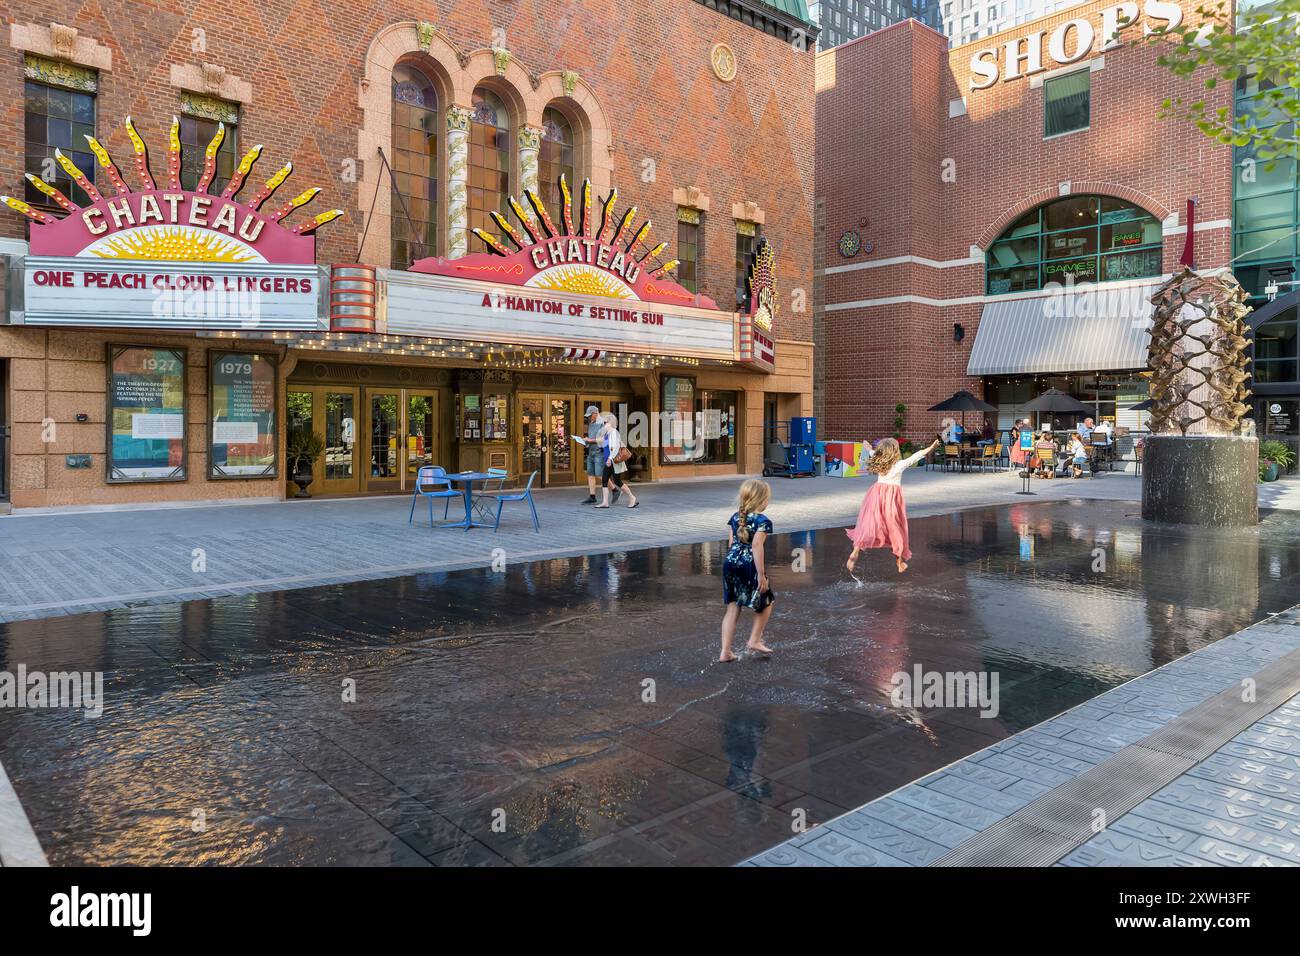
573,252
165,223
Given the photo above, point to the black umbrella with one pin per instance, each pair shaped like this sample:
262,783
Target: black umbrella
1142,406
1057,402
963,402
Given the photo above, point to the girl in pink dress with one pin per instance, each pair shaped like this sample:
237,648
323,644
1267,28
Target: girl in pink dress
882,520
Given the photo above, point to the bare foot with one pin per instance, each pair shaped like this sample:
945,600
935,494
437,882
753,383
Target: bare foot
851,563
759,648
729,659
902,565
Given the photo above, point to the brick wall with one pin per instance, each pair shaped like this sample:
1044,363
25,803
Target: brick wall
748,140
884,142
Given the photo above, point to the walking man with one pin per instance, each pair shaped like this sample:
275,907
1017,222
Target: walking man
595,454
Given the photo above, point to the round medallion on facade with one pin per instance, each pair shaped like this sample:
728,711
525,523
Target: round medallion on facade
723,59
850,244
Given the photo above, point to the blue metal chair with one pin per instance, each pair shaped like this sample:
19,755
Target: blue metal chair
499,475
431,482
525,495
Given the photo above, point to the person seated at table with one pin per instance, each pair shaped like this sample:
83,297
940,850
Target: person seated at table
1086,429
1076,454
1044,443
1102,434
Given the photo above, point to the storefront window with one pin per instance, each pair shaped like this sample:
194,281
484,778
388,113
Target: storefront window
747,234
697,426
716,417
146,414
1079,238
241,396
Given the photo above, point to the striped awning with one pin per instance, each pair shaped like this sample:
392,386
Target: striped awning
1097,329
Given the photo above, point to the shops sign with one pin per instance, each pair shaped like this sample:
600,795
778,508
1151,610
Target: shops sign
1070,42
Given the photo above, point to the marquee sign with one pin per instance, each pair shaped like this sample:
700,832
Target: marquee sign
167,223
1070,42
162,256
612,257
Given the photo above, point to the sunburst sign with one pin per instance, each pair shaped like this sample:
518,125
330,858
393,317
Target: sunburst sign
583,250
167,223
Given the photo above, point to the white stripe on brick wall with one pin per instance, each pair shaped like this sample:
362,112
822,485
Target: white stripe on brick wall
983,299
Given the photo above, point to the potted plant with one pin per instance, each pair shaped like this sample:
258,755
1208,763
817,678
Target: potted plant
304,448
1274,458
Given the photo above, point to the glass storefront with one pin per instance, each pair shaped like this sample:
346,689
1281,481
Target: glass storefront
1108,397
698,426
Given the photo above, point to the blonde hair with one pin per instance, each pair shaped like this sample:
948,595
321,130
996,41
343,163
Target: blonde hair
886,456
754,497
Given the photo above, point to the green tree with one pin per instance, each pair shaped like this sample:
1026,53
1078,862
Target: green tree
1261,52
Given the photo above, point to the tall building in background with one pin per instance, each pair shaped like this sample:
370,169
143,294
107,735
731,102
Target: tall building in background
961,21
845,20
965,21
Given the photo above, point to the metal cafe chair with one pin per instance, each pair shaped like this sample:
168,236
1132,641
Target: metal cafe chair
951,456
500,476
431,482
525,495
1047,462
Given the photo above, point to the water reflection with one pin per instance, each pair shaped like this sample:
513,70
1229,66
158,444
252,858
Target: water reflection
525,690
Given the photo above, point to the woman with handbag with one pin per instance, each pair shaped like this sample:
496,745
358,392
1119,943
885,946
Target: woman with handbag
616,458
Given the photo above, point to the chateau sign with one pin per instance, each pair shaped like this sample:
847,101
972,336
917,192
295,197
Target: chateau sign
580,250
165,256
1072,41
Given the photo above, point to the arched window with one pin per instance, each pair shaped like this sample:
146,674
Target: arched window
489,161
555,158
417,166
1091,238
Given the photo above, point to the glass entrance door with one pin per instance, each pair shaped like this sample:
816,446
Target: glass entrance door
383,441
560,462
533,438
421,433
338,416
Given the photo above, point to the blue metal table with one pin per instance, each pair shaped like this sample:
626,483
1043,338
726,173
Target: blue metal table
465,480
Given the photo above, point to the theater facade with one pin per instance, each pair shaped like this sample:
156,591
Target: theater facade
424,242
997,219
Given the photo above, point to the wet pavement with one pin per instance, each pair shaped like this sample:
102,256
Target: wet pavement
567,711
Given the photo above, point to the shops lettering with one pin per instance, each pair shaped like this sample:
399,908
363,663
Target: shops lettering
566,251
1072,41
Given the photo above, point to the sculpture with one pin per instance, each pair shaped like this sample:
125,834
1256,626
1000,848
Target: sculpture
1197,364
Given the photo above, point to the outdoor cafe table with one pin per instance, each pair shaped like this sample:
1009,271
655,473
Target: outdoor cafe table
466,480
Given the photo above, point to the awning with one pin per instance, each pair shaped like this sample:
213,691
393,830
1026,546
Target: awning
1096,329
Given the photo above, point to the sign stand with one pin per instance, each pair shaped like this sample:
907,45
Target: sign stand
1027,446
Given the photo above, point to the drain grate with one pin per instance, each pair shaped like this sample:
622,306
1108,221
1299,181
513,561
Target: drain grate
1061,820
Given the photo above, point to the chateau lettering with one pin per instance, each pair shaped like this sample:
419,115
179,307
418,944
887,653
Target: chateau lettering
172,208
518,303
1069,43
558,252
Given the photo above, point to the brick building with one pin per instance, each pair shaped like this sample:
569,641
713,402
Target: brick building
120,382
994,217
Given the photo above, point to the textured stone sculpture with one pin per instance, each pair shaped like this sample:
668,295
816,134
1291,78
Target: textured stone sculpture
1197,362
1199,466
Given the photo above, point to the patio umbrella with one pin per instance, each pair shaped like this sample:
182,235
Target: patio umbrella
1057,402
963,402
1141,406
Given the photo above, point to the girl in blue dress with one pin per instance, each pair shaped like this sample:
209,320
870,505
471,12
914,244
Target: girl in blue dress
744,577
